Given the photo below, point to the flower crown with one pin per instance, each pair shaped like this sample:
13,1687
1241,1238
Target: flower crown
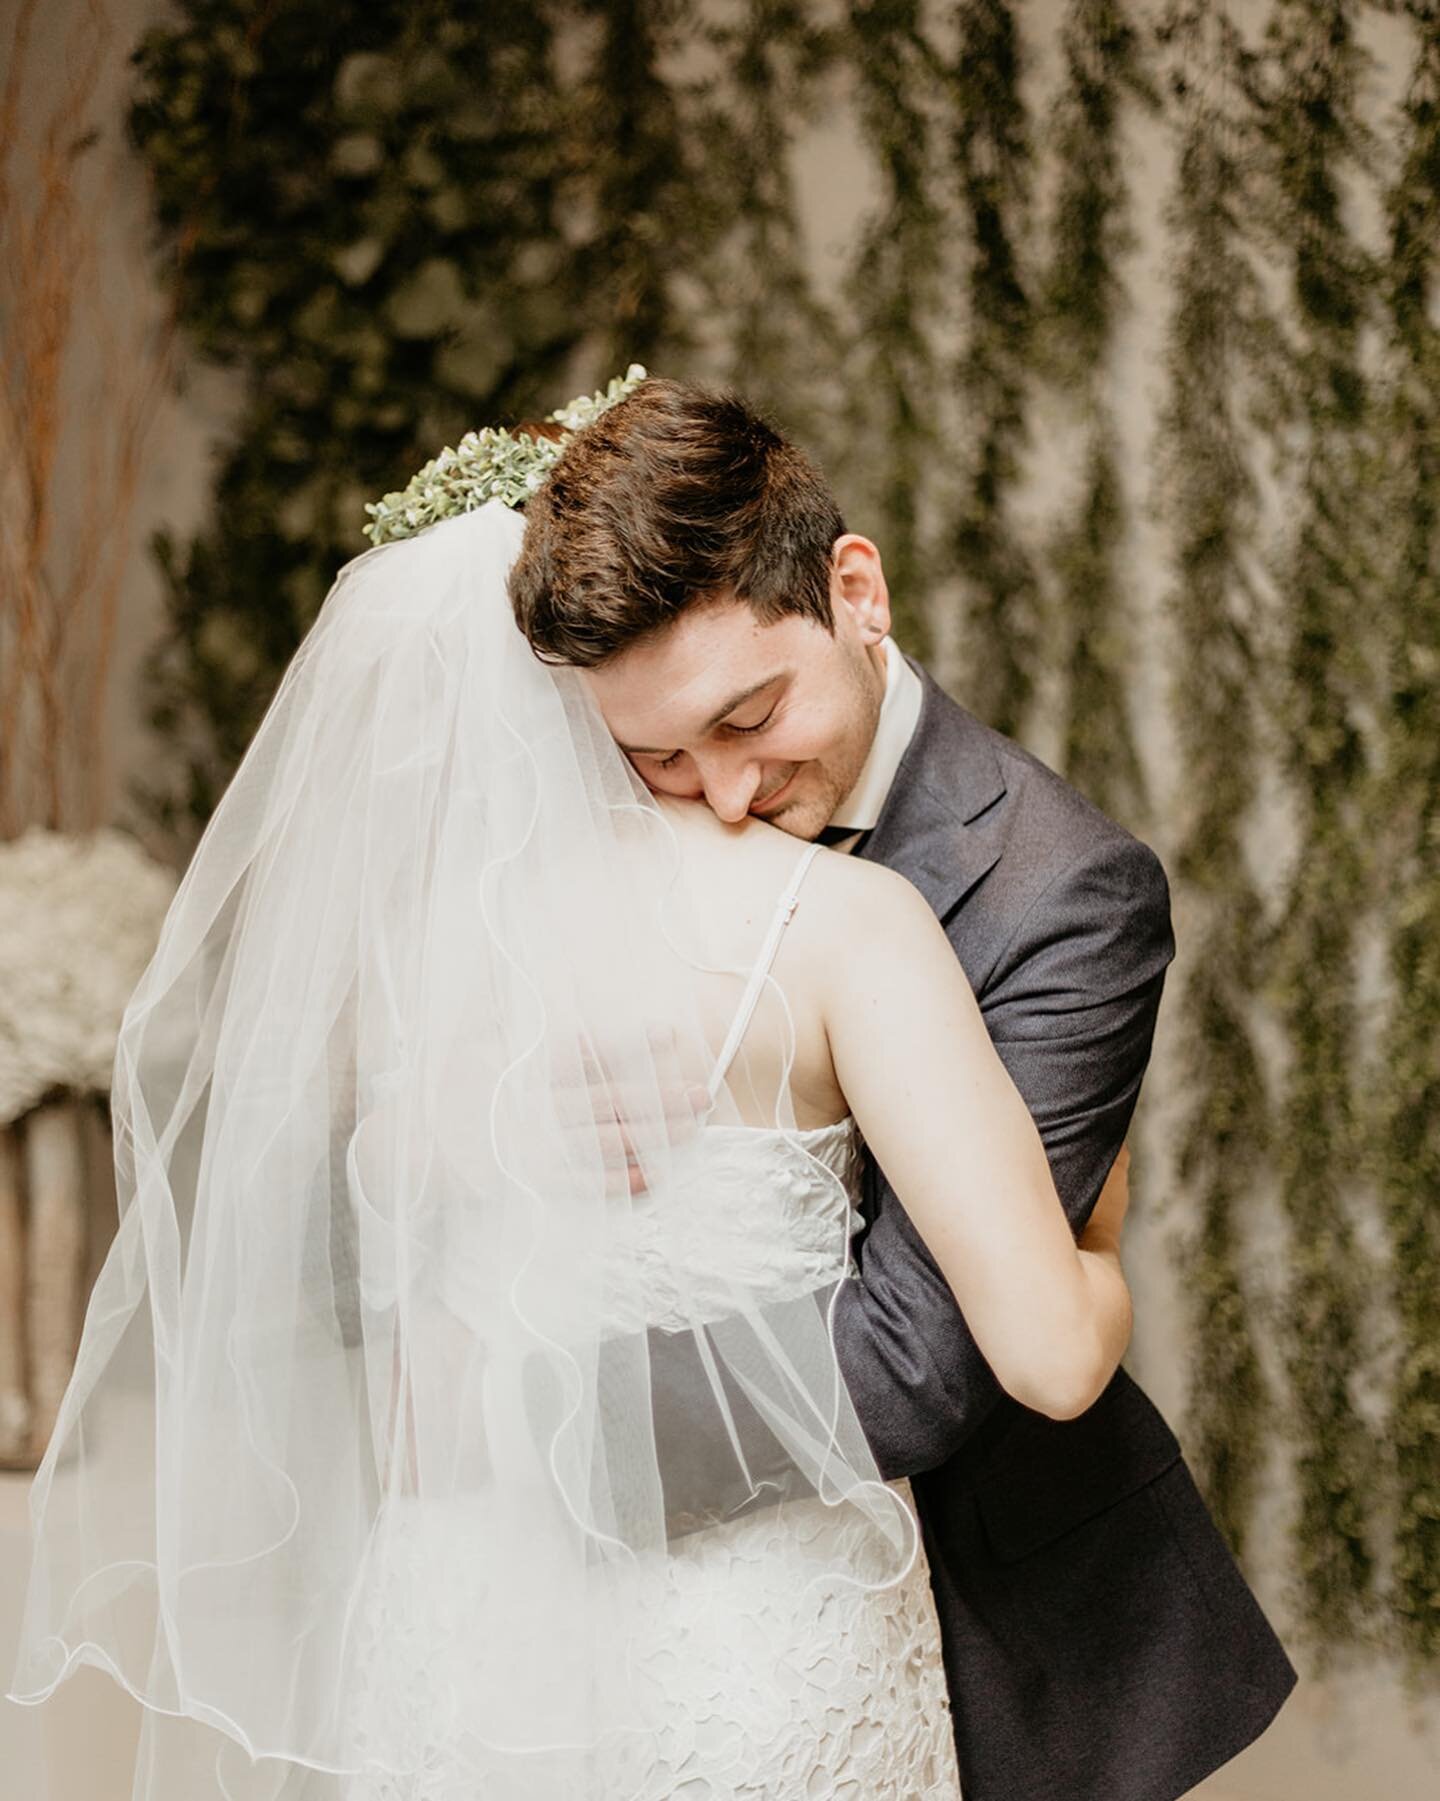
490,464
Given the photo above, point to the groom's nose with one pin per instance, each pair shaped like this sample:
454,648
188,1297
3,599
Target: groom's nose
729,789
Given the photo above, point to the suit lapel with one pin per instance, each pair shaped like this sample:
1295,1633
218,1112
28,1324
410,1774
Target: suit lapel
940,825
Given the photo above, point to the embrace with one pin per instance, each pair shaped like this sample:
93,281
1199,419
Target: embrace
621,1160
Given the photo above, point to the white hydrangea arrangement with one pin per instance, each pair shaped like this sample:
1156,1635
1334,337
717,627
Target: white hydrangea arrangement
82,917
490,464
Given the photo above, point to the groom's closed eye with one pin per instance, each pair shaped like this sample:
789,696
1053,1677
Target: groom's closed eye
779,683
742,730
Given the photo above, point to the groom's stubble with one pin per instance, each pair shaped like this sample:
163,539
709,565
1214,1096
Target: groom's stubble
861,677
816,701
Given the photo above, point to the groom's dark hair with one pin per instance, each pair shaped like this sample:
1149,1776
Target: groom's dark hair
675,496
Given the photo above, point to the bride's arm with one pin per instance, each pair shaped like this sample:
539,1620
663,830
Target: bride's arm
957,1144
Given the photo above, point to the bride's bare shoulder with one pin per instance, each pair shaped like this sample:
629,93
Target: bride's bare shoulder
749,862
749,854
850,895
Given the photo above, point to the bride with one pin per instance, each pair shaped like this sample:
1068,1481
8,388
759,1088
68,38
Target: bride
472,1090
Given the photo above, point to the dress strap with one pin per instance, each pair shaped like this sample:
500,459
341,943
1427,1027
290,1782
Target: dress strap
789,901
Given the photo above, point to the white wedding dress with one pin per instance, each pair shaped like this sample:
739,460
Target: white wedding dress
808,1690
369,1483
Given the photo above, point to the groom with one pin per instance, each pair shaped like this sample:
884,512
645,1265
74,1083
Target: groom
1100,1644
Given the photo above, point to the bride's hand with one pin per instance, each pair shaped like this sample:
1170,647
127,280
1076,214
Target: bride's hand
1102,1233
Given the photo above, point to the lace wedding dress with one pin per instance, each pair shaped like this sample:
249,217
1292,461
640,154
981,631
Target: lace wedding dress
802,1689
373,1481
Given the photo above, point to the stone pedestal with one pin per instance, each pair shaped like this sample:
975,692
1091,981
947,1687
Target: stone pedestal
44,1270
54,1256
15,1409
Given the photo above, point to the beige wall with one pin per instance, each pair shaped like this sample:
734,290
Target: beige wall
1346,1738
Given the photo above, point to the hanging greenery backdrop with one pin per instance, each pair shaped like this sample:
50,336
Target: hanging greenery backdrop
999,592
1084,301
1208,497
1306,87
1405,1103
900,270
399,221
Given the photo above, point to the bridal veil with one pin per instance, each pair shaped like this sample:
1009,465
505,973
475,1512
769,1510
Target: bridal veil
382,1258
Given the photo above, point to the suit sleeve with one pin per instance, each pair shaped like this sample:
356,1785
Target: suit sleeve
1071,1006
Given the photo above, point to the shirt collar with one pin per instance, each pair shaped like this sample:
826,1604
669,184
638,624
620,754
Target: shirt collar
899,715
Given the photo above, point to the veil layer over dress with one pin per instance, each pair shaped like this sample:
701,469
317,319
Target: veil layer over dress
383,1286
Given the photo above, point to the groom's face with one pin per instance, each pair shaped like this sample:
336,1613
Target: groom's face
775,720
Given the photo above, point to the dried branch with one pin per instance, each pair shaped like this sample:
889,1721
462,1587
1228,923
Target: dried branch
63,429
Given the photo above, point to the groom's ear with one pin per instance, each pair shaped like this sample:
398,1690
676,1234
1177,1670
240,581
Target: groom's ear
857,582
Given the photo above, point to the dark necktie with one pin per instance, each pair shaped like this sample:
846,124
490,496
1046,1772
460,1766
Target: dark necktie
837,834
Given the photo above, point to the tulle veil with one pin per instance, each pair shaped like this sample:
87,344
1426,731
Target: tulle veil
382,1263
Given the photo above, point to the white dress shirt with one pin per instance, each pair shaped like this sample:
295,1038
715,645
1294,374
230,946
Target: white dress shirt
899,715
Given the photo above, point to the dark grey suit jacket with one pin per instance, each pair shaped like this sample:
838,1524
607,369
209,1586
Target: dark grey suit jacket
1100,1643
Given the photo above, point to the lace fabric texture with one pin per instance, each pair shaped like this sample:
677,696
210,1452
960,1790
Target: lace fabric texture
745,1209
751,1658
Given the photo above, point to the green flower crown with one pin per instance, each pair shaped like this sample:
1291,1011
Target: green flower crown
491,464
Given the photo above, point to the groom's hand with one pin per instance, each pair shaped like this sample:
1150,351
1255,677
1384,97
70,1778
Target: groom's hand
630,1099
